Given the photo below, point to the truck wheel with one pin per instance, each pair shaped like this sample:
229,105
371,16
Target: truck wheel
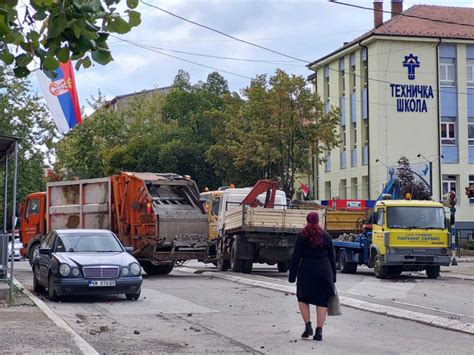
432,272
236,264
380,270
247,266
283,266
347,267
223,264
32,253
152,269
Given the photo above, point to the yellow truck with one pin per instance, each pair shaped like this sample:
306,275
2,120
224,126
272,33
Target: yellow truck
404,235
211,201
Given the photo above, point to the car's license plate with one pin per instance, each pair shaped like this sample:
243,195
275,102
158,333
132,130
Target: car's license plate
101,283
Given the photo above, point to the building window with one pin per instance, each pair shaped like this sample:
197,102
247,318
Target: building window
448,133
470,72
447,72
342,82
327,188
449,183
470,133
471,182
353,77
354,132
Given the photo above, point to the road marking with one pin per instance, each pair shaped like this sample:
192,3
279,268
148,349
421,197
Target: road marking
83,345
411,305
428,319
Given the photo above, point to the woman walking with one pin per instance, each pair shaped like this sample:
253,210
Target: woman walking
314,266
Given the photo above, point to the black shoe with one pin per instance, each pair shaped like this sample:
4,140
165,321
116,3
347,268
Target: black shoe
319,334
308,331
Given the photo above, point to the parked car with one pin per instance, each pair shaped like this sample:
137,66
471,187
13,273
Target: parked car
85,262
17,248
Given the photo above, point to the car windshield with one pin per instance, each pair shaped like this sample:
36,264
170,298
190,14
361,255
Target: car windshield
415,217
87,242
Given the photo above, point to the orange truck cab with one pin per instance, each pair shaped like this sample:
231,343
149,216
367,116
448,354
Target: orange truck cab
33,224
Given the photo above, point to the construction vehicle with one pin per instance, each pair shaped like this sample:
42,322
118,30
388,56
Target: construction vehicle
255,225
399,235
159,215
341,216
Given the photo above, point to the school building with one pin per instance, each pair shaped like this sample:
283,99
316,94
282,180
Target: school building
406,88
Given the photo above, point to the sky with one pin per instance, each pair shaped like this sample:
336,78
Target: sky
306,29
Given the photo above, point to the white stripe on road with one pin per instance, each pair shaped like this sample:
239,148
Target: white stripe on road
428,319
83,345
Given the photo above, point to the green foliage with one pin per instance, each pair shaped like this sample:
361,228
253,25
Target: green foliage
207,132
24,116
54,31
470,245
270,134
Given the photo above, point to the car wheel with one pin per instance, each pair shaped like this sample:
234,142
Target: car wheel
31,254
36,286
133,296
51,292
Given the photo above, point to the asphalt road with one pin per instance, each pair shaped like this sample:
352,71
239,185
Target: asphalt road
193,313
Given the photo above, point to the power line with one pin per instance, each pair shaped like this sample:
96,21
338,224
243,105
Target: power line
224,34
179,58
262,47
223,57
402,14
254,39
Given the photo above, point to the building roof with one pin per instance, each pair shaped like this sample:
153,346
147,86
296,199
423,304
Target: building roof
423,21
162,90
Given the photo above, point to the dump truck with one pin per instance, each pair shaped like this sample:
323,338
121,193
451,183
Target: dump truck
255,225
399,235
159,215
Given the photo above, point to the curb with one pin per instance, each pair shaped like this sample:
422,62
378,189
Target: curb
83,345
428,319
465,260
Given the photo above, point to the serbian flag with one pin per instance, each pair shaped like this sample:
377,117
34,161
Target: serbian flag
304,188
61,97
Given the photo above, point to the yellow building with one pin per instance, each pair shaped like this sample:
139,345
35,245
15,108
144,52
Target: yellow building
406,88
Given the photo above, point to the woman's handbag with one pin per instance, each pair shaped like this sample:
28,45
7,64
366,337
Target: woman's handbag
334,307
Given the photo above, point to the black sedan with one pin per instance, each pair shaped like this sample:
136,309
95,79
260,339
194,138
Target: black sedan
85,262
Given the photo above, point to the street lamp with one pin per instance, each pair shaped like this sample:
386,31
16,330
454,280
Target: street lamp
390,171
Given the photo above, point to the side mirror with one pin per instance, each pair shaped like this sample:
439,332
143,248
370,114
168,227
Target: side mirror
129,250
44,251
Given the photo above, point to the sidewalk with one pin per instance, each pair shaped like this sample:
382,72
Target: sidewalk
464,267
26,329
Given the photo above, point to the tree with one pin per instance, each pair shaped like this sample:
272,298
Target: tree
56,31
24,116
271,132
410,182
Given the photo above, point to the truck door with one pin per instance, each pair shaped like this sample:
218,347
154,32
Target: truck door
31,220
378,229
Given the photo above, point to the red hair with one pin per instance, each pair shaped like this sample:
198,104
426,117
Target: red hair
313,230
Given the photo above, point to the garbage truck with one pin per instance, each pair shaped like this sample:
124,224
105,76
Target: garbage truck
159,215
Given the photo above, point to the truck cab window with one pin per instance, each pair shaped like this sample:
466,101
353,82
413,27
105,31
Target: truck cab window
380,217
215,206
32,208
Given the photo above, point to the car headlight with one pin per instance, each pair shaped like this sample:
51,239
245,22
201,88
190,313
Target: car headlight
75,272
125,271
64,270
135,269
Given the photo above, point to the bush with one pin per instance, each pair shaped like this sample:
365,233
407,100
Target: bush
470,245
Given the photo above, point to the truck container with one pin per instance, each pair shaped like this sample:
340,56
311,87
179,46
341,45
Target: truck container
256,226
159,215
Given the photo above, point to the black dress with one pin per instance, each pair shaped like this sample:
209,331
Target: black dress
316,271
